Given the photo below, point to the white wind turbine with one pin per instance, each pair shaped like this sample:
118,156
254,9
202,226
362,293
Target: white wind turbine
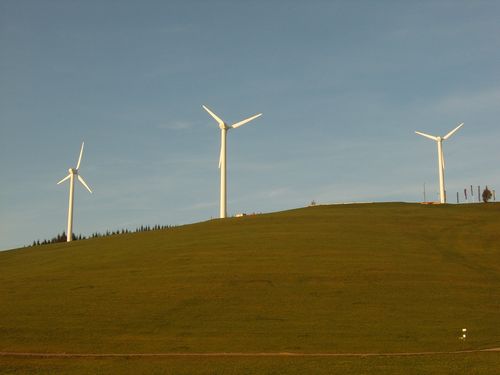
72,173
439,141
222,158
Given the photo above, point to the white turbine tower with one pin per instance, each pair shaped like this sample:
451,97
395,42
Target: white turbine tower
222,158
441,164
72,173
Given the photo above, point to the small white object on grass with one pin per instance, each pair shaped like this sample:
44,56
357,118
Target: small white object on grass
464,335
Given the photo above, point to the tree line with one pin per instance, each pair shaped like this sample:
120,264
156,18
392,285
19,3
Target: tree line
62,237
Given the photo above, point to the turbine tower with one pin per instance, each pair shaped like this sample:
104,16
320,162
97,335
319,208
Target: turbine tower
222,158
72,173
441,164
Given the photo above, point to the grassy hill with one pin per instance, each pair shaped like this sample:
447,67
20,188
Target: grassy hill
389,277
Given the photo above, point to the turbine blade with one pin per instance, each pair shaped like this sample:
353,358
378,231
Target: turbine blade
453,131
427,136
442,158
238,124
64,179
220,157
84,183
217,118
80,157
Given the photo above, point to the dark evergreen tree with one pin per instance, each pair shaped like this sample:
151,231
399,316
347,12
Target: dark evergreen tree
486,195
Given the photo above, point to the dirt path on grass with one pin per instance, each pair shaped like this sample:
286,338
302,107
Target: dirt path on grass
235,354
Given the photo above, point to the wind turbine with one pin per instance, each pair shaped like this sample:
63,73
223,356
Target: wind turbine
441,166
72,173
222,158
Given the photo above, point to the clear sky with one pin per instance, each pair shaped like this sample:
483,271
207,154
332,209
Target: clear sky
342,85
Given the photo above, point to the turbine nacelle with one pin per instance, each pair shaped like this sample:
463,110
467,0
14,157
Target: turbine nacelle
73,171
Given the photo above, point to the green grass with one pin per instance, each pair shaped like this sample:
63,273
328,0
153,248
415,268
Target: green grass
347,278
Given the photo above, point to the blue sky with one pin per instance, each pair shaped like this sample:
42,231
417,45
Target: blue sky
342,85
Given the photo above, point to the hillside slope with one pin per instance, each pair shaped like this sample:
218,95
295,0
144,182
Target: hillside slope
345,278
